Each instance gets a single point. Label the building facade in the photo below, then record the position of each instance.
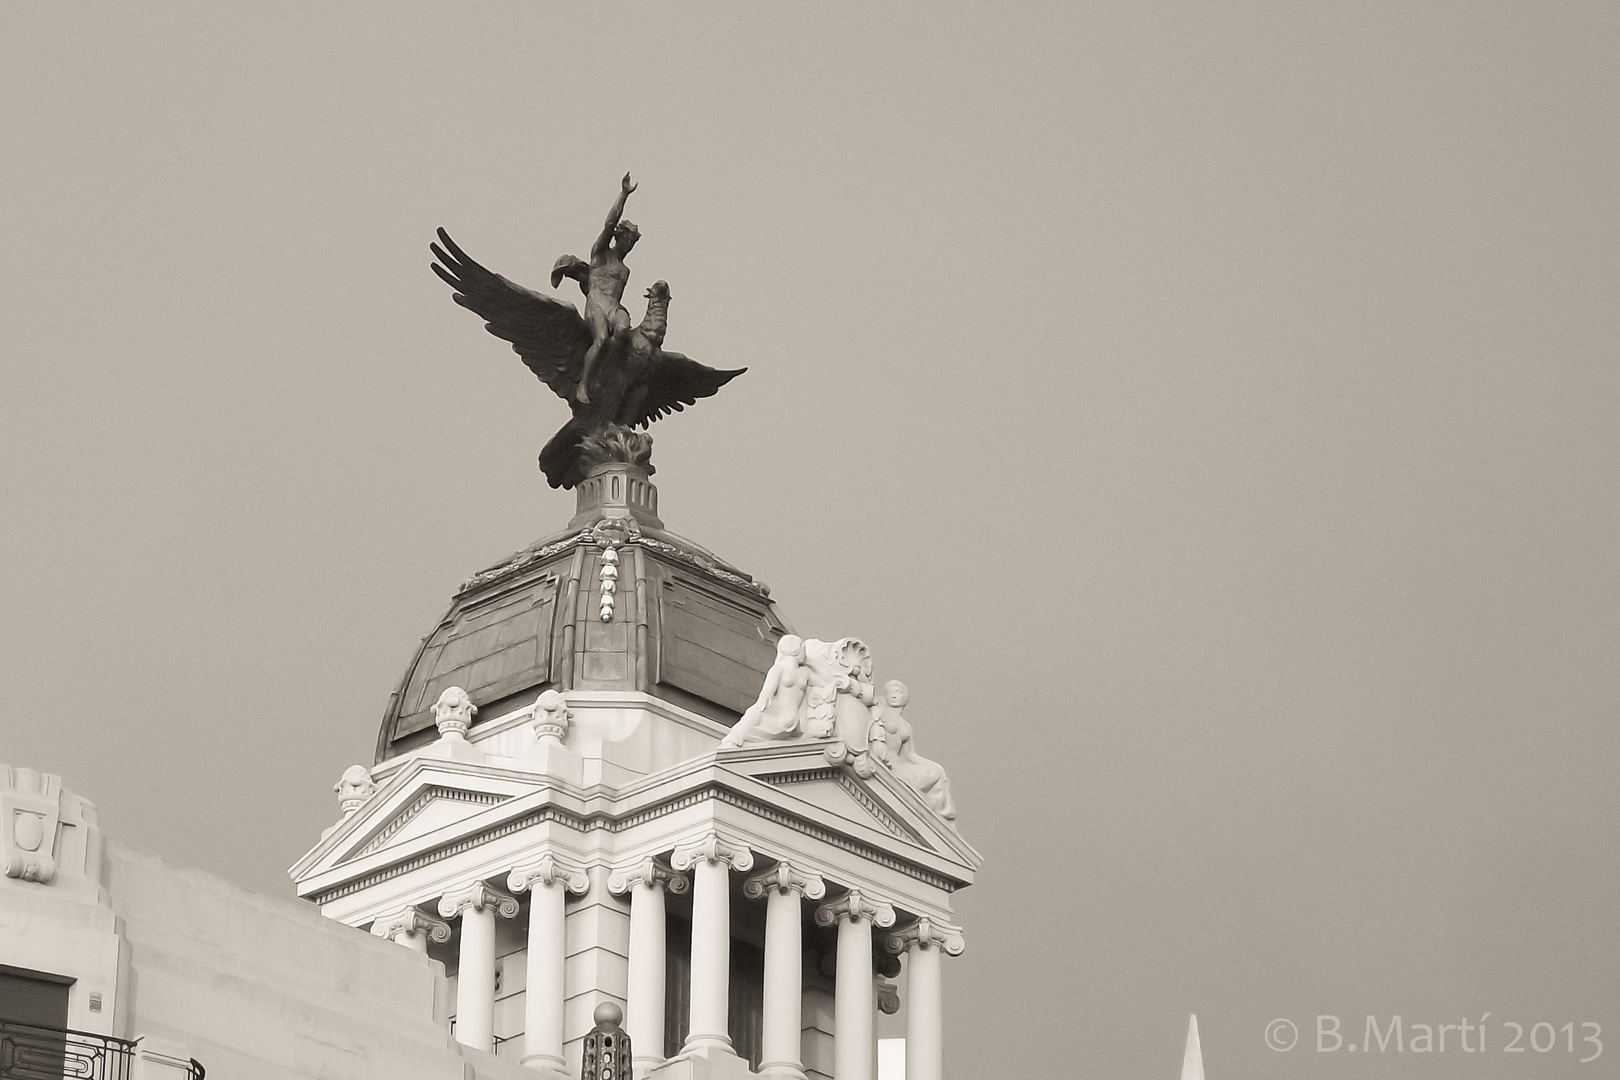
(612, 774)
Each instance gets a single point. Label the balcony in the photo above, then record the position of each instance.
(31, 1052)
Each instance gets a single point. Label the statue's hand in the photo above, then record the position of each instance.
(625, 185)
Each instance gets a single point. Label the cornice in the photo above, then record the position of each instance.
(599, 808)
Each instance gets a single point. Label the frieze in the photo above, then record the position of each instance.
(602, 821)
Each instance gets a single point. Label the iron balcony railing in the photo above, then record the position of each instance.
(32, 1052)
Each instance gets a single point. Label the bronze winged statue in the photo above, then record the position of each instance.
(609, 372)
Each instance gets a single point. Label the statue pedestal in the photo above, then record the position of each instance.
(616, 490)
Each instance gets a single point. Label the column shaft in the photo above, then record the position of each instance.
(644, 1021)
(475, 980)
(711, 955)
(414, 940)
(854, 1001)
(546, 989)
(925, 1018)
(780, 1050)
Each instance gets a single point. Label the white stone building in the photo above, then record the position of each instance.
(564, 812)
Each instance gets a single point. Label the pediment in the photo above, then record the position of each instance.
(426, 797)
(433, 807)
(836, 793)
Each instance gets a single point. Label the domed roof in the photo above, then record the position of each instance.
(612, 602)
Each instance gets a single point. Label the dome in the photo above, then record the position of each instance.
(612, 602)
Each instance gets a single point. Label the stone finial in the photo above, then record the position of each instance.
(551, 716)
(355, 787)
(606, 1054)
(786, 877)
(855, 905)
(453, 713)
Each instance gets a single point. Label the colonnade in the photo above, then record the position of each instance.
(710, 862)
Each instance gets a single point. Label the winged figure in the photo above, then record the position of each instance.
(633, 381)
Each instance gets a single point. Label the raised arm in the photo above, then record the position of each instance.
(625, 188)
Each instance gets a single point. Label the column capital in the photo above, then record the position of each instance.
(925, 933)
(411, 920)
(855, 905)
(549, 870)
(648, 871)
(713, 848)
(476, 896)
(786, 877)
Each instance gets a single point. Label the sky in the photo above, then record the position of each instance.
(1208, 411)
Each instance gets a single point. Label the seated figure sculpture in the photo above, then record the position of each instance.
(926, 778)
(778, 713)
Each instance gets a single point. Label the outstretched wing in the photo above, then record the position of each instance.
(674, 382)
(546, 332)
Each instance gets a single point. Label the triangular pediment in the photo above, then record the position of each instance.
(434, 807)
(426, 797)
(837, 792)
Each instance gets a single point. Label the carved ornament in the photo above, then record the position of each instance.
(551, 716)
(411, 920)
(547, 871)
(785, 877)
(713, 848)
(925, 933)
(354, 788)
(646, 872)
(453, 712)
(476, 897)
(855, 905)
(30, 808)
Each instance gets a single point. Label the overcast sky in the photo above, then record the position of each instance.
(1209, 411)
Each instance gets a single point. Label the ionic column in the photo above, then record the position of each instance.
(854, 1000)
(711, 861)
(645, 882)
(411, 928)
(781, 1054)
(477, 905)
(923, 943)
(547, 881)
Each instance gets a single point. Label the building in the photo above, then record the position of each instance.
(611, 775)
